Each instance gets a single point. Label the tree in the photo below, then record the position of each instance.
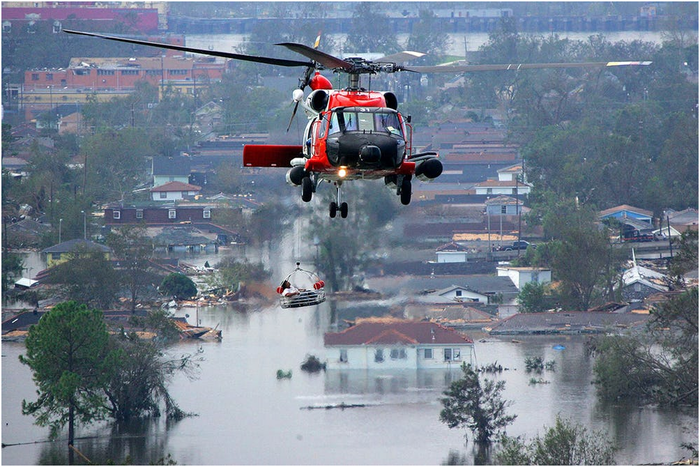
(428, 37)
(660, 366)
(478, 406)
(686, 258)
(138, 375)
(87, 277)
(582, 261)
(230, 273)
(116, 162)
(535, 297)
(581, 257)
(563, 444)
(369, 32)
(178, 285)
(133, 249)
(65, 352)
(342, 245)
(12, 267)
(267, 222)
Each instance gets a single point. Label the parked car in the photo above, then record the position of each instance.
(517, 245)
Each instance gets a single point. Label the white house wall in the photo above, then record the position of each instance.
(451, 257)
(170, 196)
(521, 277)
(466, 296)
(363, 357)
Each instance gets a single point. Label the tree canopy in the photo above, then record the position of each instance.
(66, 351)
(565, 443)
(178, 285)
(659, 366)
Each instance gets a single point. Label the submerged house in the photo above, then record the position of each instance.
(390, 343)
(639, 282)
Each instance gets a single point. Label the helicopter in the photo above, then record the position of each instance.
(352, 133)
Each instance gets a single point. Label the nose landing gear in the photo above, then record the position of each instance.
(337, 205)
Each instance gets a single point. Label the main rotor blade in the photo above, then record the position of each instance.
(518, 66)
(327, 60)
(214, 53)
(401, 57)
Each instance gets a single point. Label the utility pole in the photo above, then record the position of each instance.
(84, 224)
(670, 241)
(488, 220)
(517, 205)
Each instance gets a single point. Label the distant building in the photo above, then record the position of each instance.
(686, 219)
(504, 206)
(639, 282)
(173, 191)
(105, 78)
(388, 343)
(625, 212)
(502, 187)
(150, 214)
(25, 15)
(170, 169)
(523, 275)
(452, 253)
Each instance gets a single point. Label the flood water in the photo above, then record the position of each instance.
(245, 415)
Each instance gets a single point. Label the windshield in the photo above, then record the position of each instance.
(383, 121)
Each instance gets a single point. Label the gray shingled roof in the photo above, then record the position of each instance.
(70, 245)
(171, 166)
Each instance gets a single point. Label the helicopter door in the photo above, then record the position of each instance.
(308, 139)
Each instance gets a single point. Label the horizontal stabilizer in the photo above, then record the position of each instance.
(269, 155)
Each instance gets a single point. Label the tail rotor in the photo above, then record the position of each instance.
(303, 82)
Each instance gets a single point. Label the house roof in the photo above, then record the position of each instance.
(25, 282)
(13, 162)
(453, 287)
(501, 183)
(171, 166)
(394, 331)
(21, 321)
(132, 63)
(517, 168)
(685, 217)
(642, 275)
(176, 186)
(566, 322)
(480, 283)
(452, 246)
(625, 208)
(71, 245)
(502, 199)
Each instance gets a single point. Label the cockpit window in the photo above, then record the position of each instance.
(383, 121)
(350, 121)
(387, 122)
(334, 126)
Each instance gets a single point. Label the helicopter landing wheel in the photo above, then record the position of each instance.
(333, 209)
(406, 192)
(307, 188)
(344, 210)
